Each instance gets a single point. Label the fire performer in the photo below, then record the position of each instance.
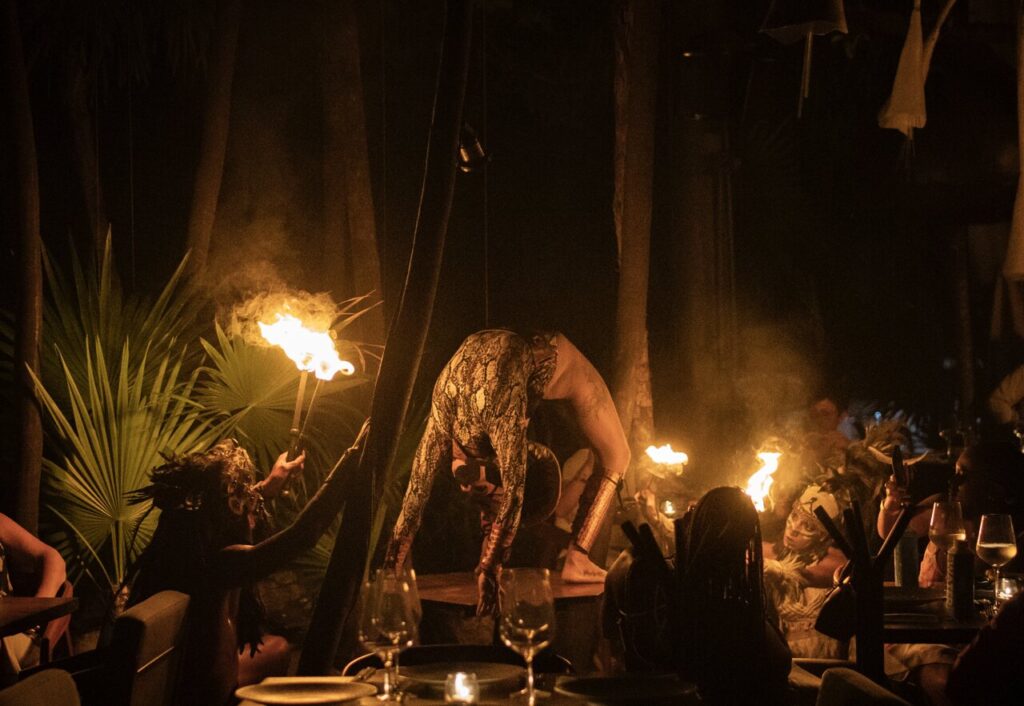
(480, 409)
(205, 545)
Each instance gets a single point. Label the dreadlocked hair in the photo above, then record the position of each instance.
(721, 599)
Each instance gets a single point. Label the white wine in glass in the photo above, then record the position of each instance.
(527, 621)
(388, 621)
(947, 524)
(997, 545)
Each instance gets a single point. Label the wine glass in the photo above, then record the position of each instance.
(527, 621)
(947, 524)
(997, 545)
(388, 618)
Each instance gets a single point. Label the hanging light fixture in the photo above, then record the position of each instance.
(789, 21)
(472, 155)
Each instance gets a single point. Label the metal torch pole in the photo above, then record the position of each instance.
(295, 431)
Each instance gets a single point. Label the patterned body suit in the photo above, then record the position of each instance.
(481, 403)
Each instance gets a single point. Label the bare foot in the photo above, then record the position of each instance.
(579, 568)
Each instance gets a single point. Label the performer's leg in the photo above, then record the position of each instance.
(595, 503)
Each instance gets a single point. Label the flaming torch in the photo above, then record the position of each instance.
(664, 456)
(759, 483)
(312, 352)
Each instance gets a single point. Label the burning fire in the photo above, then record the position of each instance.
(759, 483)
(311, 351)
(665, 455)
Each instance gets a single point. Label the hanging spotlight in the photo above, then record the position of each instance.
(472, 155)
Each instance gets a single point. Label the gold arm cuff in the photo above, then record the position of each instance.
(595, 517)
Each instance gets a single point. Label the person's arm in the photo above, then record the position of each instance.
(1004, 398)
(242, 563)
(433, 455)
(27, 552)
(822, 573)
(271, 486)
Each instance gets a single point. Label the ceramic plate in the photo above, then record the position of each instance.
(305, 691)
(638, 689)
(487, 673)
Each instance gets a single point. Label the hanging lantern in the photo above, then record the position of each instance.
(789, 21)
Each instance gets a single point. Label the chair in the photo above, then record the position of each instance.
(546, 661)
(56, 635)
(841, 686)
(140, 666)
(51, 687)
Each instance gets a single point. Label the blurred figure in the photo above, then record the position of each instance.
(990, 670)
(727, 644)
(825, 441)
(24, 560)
(1004, 401)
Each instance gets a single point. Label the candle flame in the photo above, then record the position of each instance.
(665, 454)
(311, 351)
(759, 483)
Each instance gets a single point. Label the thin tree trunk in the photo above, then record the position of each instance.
(402, 352)
(214, 141)
(30, 285)
(86, 157)
(350, 234)
(636, 90)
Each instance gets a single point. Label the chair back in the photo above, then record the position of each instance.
(546, 661)
(147, 642)
(56, 636)
(51, 687)
(841, 686)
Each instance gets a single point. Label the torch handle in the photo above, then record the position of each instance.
(295, 431)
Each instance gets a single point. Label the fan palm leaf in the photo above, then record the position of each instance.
(116, 426)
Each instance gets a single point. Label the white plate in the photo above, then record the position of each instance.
(305, 690)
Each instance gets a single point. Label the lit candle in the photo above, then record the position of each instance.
(461, 688)
(1009, 586)
(668, 508)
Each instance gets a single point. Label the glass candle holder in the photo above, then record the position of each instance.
(1008, 587)
(461, 688)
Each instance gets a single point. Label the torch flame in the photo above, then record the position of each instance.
(665, 454)
(759, 483)
(312, 351)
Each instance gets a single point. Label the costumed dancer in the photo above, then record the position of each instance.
(481, 405)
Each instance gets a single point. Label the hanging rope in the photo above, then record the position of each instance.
(483, 133)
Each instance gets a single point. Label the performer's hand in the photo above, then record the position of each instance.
(895, 496)
(277, 479)
(487, 593)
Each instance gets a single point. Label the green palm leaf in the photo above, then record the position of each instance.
(115, 427)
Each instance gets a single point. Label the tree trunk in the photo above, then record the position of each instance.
(636, 75)
(86, 157)
(402, 352)
(25, 226)
(349, 237)
(214, 141)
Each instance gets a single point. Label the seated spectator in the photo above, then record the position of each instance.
(727, 645)
(990, 670)
(24, 559)
(203, 545)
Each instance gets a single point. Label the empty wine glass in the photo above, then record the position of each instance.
(527, 621)
(997, 545)
(388, 619)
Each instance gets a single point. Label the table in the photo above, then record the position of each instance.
(19, 613)
(459, 590)
(919, 615)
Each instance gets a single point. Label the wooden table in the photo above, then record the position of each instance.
(459, 590)
(919, 615)
(19, 613)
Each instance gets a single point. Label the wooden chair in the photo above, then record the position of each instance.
(546, 662)
(56, 636)
(841, 686)
(140, 666)
(51, 687)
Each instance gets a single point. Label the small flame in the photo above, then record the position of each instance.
(665, 454)
(759, 483)
(311, 351)
(668, 508)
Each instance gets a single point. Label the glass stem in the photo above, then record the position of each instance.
(385, 689)
(531, 695)
(995, 589)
